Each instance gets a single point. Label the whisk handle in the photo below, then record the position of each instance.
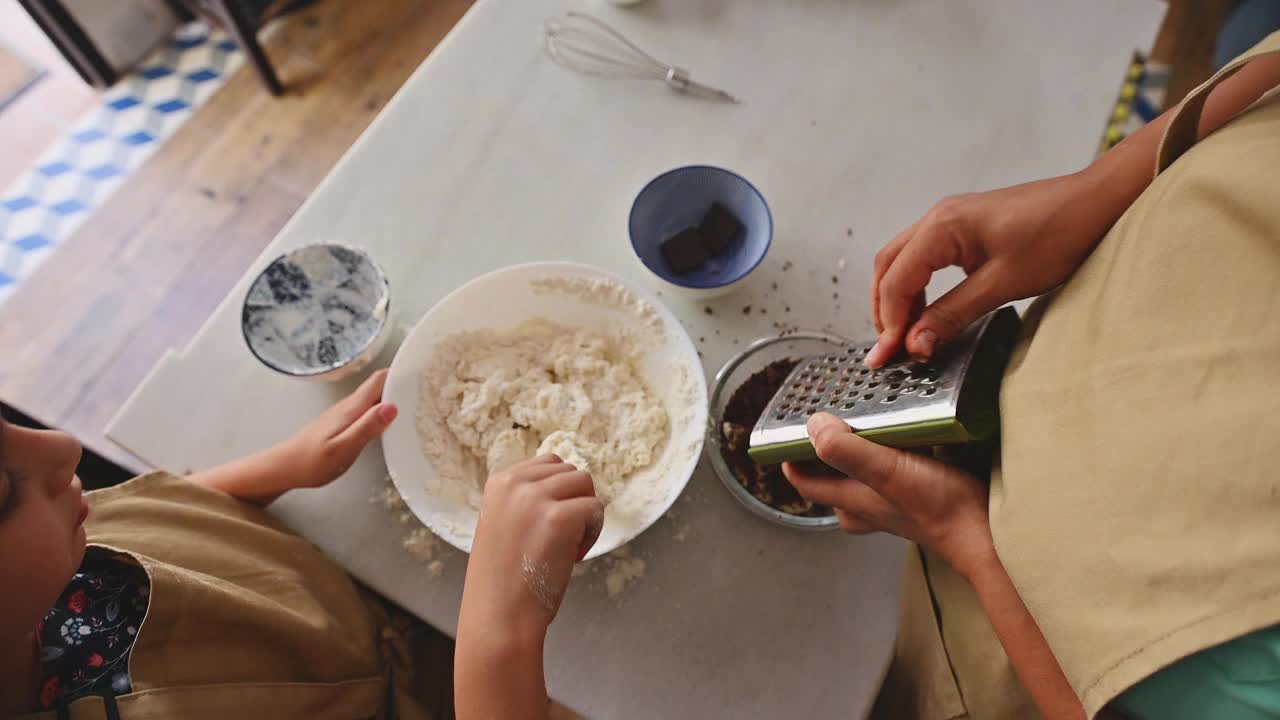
(678, 79)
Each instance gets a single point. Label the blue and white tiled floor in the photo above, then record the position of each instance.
(81, 170)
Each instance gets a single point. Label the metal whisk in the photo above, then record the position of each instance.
(590, 46)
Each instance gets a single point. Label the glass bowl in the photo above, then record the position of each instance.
(753, 359)
(319, 312)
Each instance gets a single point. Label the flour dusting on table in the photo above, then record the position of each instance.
(422, 544)
(620, 569)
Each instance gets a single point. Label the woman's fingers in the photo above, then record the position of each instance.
(855, 525)
(843, 493)
(950, 314)
(888, 345)
(856, 457)
(883, 260)
(936, 244)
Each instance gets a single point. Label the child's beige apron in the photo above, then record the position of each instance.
(1137, 509)
(246, 619)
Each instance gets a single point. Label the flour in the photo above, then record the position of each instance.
(537, 577)
(419, 542)
(620, 568)
(491, 398)
(605, 293)
(422, 544)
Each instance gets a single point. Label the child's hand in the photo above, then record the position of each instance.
(328, 445)
(315, 456)
(537, 519)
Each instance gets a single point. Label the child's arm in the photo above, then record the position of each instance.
(537, 519)
(315, 456)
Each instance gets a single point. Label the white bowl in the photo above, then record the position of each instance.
(507, 298)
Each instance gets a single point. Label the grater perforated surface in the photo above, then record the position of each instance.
(901, 394)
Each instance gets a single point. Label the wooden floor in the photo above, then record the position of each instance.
(145, 272)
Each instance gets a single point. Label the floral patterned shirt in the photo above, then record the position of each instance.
(85, 640)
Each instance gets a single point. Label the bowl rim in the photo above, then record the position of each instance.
(674, 280)
(316, 372)
(713, 441)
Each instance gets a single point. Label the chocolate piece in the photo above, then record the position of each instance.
(720, 228)
(685, 251)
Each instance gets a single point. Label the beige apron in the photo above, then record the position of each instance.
(246, 619)
(1137, 506)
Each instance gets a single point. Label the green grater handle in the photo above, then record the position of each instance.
(937, 432)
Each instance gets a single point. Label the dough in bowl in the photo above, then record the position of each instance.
(491, 398)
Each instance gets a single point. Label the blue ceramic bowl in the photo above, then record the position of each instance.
(678, 199)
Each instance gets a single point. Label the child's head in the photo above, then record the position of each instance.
(42, 512)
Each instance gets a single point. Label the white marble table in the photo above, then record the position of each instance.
(856, 116)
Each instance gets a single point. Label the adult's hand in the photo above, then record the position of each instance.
(1024, 240)
(1012, 243)
(883, 489)
(944, 509)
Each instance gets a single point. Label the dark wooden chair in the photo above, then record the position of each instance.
(242, 19)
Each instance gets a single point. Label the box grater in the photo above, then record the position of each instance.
(952, 399)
